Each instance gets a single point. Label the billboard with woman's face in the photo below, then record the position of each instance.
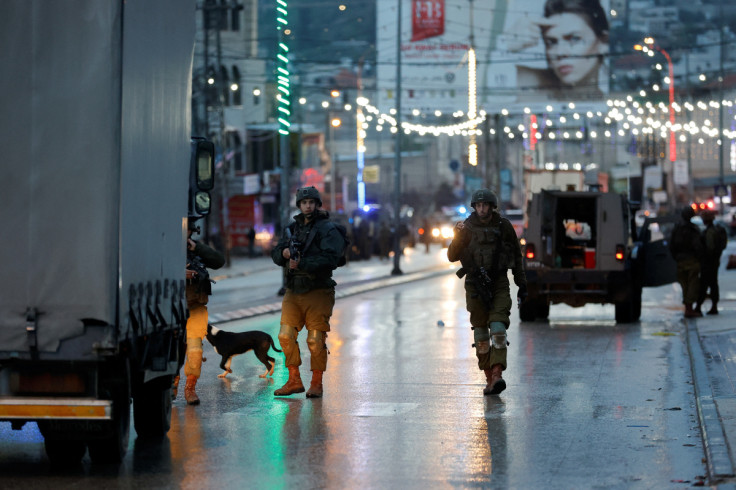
(553, 50)
(527, 51)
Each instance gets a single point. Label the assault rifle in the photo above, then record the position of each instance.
(484, 285)
(194, 263)
(295, 246)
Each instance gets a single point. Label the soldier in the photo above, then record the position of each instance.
(715, 240)
(310, 253)
(486, 245)
(198, 291)
(686, 248)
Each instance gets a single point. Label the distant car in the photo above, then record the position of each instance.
(729, 220)
(641, 215)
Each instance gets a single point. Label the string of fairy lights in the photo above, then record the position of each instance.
(629, 117)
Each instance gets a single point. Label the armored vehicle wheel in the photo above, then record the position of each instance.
(625, 311)
(528, 310)
(542, 308)
(152, 408)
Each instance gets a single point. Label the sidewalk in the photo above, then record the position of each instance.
(712, 346)
(354, 278)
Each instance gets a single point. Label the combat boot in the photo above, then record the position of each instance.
(315, 388)
(713, 309)
(496, 384)
(690, 311)
(175, 387)
(293, 385)
(189, 394)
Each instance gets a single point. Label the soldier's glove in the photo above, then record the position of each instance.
(522, 294)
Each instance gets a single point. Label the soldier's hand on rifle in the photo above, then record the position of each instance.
(286, 253)
(191, 244)
(293, 263)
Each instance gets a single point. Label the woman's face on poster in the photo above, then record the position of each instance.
(572, 47)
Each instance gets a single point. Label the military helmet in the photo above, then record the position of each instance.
(310, 192)
(484, 195)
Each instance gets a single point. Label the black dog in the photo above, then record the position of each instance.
(230, 344)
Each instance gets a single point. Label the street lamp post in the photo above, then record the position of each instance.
(334, 123)
(646, 48)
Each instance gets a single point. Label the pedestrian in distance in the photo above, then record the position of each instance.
(198, 289)
(686, 247)
(309, 250)
(487, 247)
(251, 242)
(715, 239)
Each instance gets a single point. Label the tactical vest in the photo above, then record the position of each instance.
(486, 240)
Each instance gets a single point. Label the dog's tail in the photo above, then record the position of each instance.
(273, 346)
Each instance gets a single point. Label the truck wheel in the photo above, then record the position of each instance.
(111, 447)
(152, 408)
(528, 310)
(64, 452)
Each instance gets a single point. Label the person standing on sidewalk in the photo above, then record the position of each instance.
(309, 249)
(715, 240)
(686, 248)
(487, 247)
(198, 290)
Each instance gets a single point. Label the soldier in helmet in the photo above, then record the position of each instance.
(686, 248)
(198, 291)
(487, 247)
(309, 249)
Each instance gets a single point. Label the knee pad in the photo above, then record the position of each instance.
(498, 335)
(193, 365)
(316, 341)
(482, 347)
(287, 335)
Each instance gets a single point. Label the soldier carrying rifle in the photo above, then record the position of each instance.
(486, 245)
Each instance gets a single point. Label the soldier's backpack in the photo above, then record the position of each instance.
(345, 245)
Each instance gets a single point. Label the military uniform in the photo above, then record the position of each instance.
(310, 293)
(198, 291)
(686, 248)
(493, 247)
(709, 264)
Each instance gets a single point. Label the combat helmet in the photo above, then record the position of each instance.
(484, 195)
(310, 192)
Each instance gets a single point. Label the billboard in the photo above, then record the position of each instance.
(528, 53)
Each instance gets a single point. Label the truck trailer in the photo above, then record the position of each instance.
(97, 170)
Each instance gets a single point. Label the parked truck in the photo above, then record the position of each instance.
(582, 247)
(99, 175)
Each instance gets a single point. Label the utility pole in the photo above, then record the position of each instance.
(397, 158)
(721, 138)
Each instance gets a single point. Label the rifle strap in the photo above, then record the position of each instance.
(310, 237)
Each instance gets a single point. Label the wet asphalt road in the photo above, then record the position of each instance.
(589, 404)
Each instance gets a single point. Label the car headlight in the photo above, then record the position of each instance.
(435, 232)
(447, 232)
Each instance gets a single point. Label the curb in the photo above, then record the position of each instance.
(718, 460)
(218, 318)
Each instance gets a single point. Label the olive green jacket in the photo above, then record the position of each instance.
(478, 243)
